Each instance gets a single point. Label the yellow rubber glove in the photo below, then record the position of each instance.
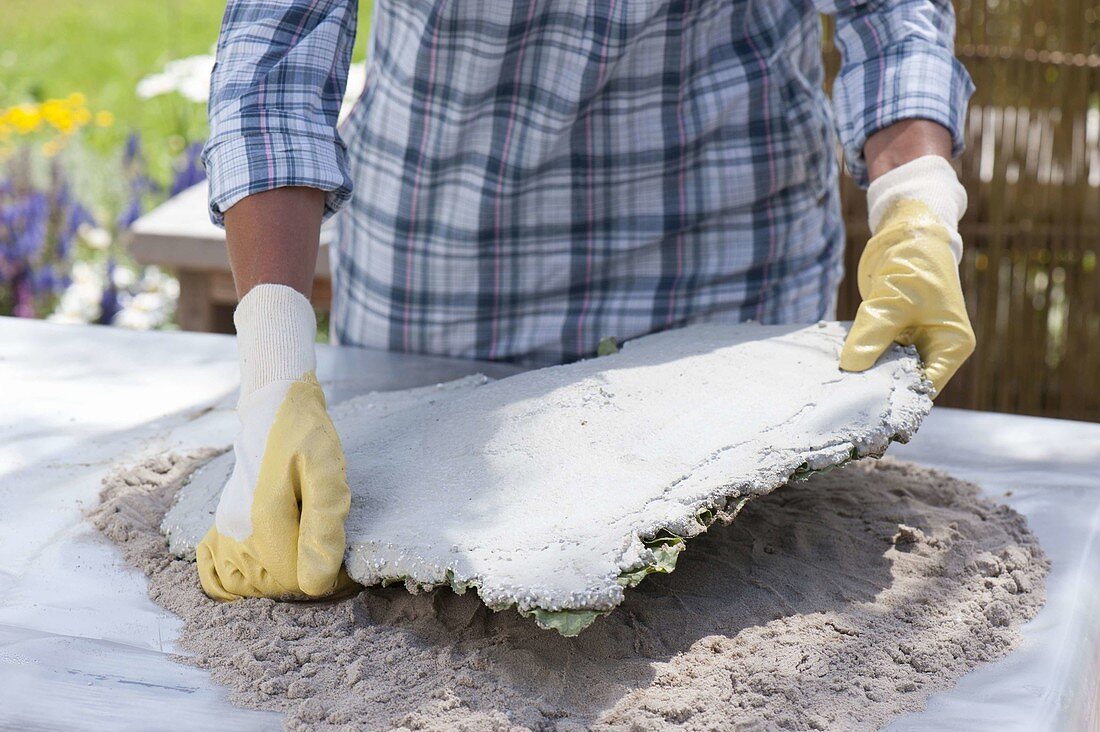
(279, 528)
(908, 273)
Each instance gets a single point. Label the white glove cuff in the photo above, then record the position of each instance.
(929, 179)
(276, 328)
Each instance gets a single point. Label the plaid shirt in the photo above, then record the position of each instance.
(534, 175)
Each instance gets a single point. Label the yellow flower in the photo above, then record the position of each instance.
(25, 118)
(103, 118)
(66, 115)
(58, 114)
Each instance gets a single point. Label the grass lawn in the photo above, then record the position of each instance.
(102, 48)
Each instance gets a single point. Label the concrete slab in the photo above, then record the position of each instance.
(554, 490)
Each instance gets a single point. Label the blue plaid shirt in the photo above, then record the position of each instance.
(533, 175)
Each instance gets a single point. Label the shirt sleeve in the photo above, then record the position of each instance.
(897, 62)
(275, 96)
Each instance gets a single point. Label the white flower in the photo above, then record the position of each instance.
(123, 277)
(65, 319)
(149, 302)
(80, 303)
(85, 273)
(189, 77)
(94, 236)
(170, 286)
(136, 319)
(153, 279)
(143, 311)
(154, 85)
(357, 79)
(193, 76)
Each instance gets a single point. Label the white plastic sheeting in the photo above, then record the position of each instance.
(82, 647)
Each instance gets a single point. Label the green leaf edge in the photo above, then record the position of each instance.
(665, 548)
(607, 346)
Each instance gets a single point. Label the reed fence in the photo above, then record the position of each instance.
(1032, 230)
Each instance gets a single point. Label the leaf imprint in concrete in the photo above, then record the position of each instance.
(557, 489)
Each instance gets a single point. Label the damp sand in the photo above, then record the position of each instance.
(839, 602)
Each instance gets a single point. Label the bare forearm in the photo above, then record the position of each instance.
(273, 238)
(905, 141)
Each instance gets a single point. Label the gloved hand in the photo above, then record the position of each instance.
(279, 528)
(908, 273)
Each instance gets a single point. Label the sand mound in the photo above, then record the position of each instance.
(835, 603)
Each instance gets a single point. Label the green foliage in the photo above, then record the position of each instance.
(607, 346)
(567, 622)
(665, 548)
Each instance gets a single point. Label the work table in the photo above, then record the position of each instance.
(82, 647)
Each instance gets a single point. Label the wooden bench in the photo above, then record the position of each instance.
(178, 235)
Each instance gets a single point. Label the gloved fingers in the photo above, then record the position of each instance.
(295, 548)
(326, 500)
(879, 322)
(944, 348)
(223, 571)
(209, 576)
(230, 570)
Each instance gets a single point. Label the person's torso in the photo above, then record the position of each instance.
(534, 175)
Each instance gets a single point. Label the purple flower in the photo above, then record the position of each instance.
(37, 229)
(24, 218)
(190, 171)
(132, 152)
(77, 217)
(129, 215)
(24, 299)
(108, 304)
(44, 280)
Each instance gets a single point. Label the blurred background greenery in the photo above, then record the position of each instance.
(102, 49)
(102, 117)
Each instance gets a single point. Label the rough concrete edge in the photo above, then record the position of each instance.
(174, 541)
(664, 543)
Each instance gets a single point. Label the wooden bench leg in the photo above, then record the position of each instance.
(207, 300)
(195, 310)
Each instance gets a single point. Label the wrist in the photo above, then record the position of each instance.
(276, 329)
(929, 179)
